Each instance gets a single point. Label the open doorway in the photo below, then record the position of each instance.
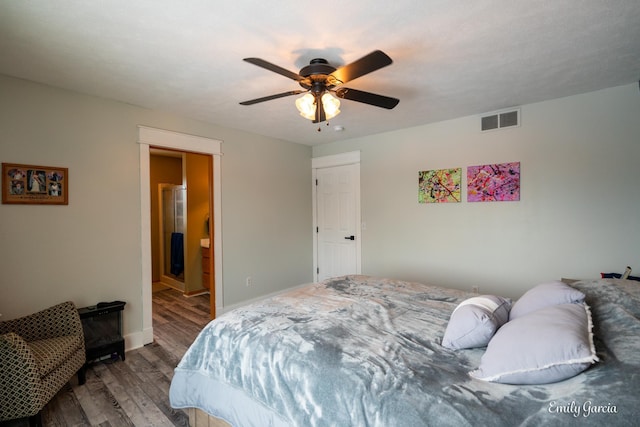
(152, 137)
(180, 192)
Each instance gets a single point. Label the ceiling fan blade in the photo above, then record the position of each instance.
(365, 65)
(270, 97)
(367, 98)
(275, 68)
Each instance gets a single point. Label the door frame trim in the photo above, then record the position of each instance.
(149, 136)
(342, 159)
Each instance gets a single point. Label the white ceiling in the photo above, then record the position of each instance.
(452, 58)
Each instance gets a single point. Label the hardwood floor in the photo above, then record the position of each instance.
(134, 392)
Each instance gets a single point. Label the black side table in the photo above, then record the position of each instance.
(102, 324)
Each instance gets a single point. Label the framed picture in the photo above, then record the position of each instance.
(29, 184)
(439, 186)
(498, 182)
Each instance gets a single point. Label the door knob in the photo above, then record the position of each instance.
(350, 238)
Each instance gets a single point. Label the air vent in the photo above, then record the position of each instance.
(490, 122)
(500, 120)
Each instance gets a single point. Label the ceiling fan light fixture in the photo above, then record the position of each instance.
(331, 105)
(306, 105)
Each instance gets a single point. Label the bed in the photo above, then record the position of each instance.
(366, 351)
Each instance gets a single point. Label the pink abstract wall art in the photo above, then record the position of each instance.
(493, 183)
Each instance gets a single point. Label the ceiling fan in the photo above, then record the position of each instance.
(319, 79)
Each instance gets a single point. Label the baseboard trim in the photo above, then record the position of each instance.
(138, 339)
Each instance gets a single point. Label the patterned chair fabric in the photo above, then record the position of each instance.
(39, 353)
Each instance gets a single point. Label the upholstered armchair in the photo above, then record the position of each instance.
(39, 354)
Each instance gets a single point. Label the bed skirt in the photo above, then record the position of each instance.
(199, 418)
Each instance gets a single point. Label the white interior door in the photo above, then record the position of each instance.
(337, 221)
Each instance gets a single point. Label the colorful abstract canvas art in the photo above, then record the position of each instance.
(439, 186)
(493, 183)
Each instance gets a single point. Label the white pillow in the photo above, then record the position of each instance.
(545, 346)
(544, 295)
(475, 320)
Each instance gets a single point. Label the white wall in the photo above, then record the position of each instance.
(579, 208)
(89, 251)
(266, 217)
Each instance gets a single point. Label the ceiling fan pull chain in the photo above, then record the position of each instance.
(326, 123)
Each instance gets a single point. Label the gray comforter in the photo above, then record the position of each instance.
(363, 351)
